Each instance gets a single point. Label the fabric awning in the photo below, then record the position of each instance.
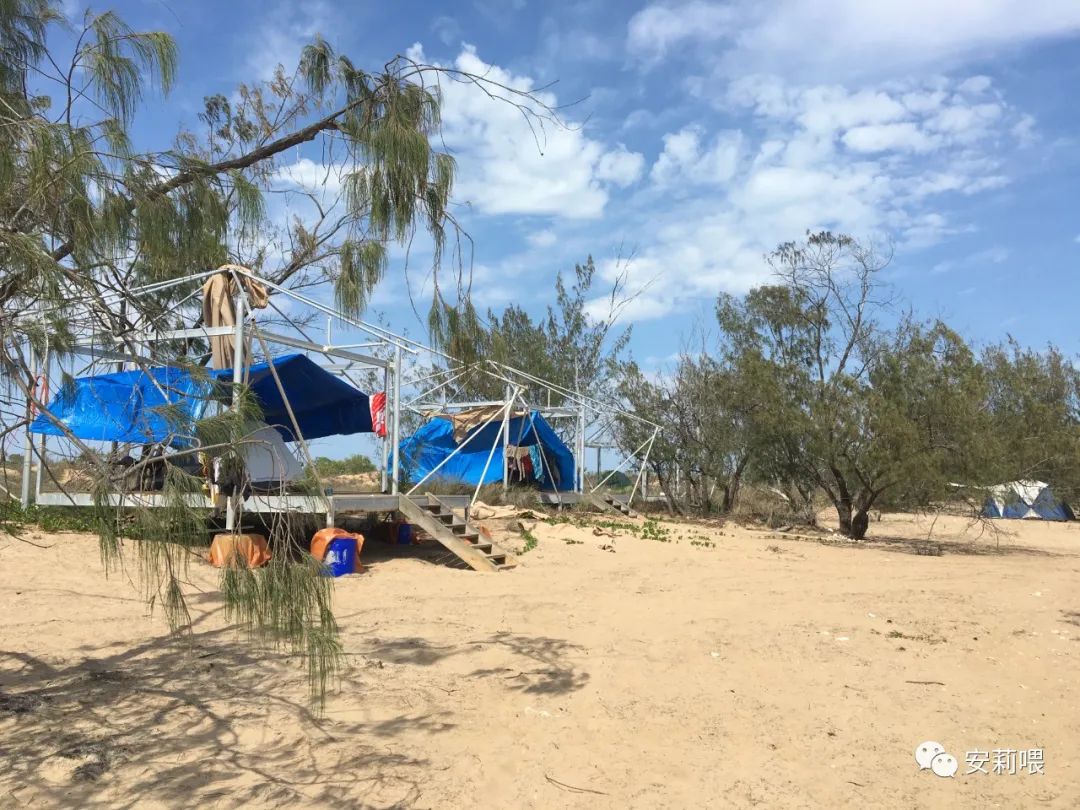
(150, 407)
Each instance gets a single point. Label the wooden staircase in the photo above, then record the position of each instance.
(608, 503)
(457, 535)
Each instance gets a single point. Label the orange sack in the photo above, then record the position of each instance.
(239, 550)
(322, 538)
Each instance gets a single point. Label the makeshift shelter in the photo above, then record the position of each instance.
(147, 407)
(434, 449)
(1025, 500)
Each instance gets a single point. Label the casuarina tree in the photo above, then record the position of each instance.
(87, 214)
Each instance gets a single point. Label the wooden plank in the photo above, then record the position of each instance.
(613, 506)
(433, 526)
(495, 550)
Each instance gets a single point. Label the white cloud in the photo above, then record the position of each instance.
(620, 166)
(542, 239)
(282, 32)
(447, 29)
(993, 255)
(561, 45)
(653, 30)
(841, 38)
(308, 175)
(510, 165)
(904, 137)
(878, 163)
(684, 161)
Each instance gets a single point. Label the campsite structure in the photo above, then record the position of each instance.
(301, 401)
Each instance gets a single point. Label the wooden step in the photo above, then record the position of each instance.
(606, 502)
(457, 535)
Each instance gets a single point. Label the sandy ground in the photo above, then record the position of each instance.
(695, 666)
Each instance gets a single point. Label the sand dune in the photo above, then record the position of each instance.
(676, 666)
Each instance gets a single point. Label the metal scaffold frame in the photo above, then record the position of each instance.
(136, 348)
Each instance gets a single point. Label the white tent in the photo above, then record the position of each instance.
(1025, 500)
(267, 459)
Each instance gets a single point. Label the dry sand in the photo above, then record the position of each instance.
(720, 667)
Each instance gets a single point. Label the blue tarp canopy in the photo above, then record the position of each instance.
(324, 404)
(130, 406)
(434, 442)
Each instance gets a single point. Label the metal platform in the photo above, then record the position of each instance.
(260, 504)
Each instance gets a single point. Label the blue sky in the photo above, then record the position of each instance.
(704, 133)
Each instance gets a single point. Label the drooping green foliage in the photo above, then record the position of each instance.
(819, 384)
(1033, 404)
(568, 346)
(87, 216)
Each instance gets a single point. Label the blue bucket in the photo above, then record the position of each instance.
(404, 534)
(340, 558)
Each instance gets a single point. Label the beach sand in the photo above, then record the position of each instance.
(684, 665)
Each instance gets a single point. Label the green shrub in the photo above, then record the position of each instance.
(353, 465)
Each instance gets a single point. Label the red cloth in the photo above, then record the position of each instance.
(378, 413)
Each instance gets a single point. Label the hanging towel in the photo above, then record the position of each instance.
(219, 291)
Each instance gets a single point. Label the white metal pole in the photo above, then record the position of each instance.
(642, 472)
(42, 451)
(494, 445)
(231, 503)
(506, 443)
(28, 444)
(385, 443)
(395, 437)
(580, 464)
(623, 463)
(43, 374)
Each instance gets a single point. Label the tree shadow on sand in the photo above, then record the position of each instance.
(555, 675)
(937, 548)
(213, 720)
(183, 724)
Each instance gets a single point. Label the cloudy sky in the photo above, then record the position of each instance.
(704, 133)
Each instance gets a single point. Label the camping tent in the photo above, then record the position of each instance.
(434, 442)
(267, 459)
(1025, 500)
(151, 406)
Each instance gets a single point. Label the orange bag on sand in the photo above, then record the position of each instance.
(322, 539)
(251, 548)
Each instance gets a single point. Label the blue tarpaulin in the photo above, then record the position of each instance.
(128, 406)
(434, 441)
(324, 404)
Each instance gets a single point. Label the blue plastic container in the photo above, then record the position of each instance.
(340, 558)
(404, 534)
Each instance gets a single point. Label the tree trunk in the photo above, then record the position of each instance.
(665, 487)
(843, 501)
(859, 523)
(731, 489)
(843, 512)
